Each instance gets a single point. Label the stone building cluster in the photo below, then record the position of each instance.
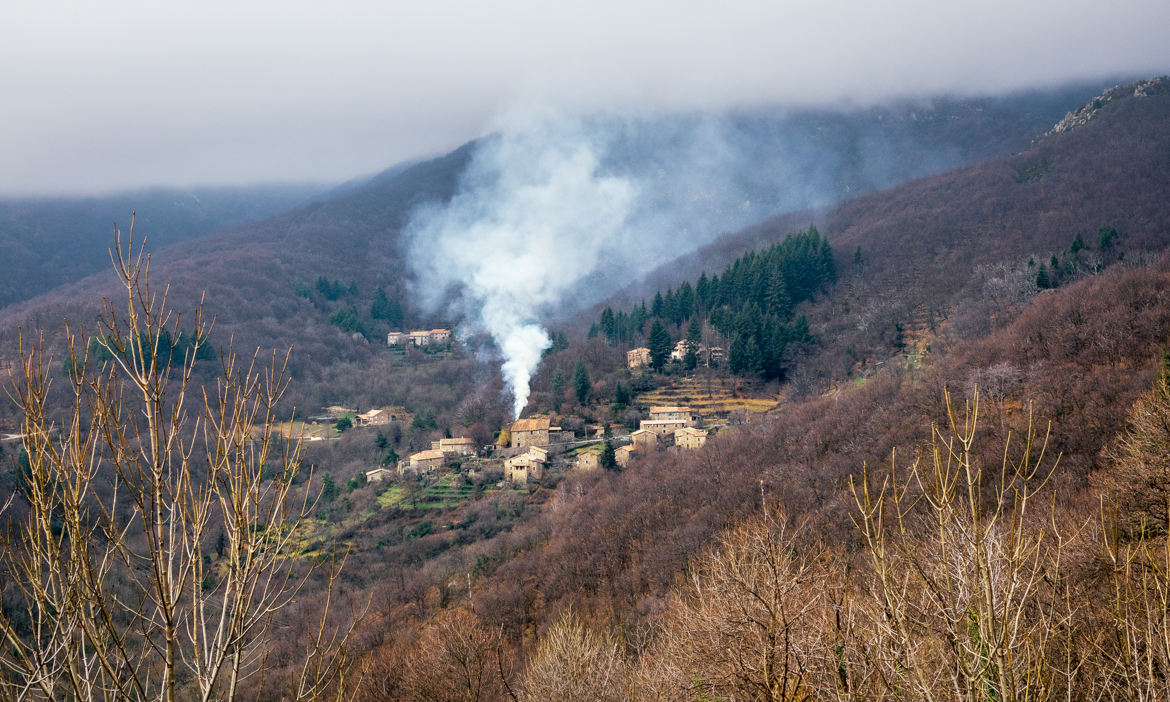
(420, 338)
(640, 357)
(533, 440)
(666, 426)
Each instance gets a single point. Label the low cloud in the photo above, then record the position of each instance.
(126, 93)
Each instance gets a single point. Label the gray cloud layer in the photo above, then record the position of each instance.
(105, 96)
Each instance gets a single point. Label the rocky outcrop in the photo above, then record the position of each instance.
(1140, 89)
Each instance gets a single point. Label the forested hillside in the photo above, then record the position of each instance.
(948, 495)
(256, 277)
(776, 509)
(750, 304)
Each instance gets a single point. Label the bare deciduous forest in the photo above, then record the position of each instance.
(961, 492)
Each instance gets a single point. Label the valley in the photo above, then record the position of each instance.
(898, 438)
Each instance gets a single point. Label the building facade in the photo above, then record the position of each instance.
(690, 438)
(637, 358)
(623, 454)
(427, 461)
(589, 459)
(456, 446)
(530, 464)
(532, 431)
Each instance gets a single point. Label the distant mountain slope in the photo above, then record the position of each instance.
(257, 276)
(45, 242)
(930, 243)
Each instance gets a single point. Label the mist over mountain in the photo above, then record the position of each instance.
(1033, 269)
(46, 242)
(953, 260)
(694, 176)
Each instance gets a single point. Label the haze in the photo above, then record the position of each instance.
(118, 95)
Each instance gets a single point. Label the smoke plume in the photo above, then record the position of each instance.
(554, 213)
(535, 215)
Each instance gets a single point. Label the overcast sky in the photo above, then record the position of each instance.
(119, 94)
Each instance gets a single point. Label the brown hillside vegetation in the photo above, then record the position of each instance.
(254, 275)
(612, 554)
(966, 245)
(957, 497)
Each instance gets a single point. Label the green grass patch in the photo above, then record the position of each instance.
(390, 497)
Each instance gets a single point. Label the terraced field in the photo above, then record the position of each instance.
(446, 492)
(714, 401)
(301, 430)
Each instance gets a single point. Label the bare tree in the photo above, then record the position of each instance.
(147, 555)
(966, 595)
(1135, 547)
(456, 659)
(574, 663)
(750, 622)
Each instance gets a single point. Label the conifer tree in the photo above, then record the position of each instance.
(621, 396)
(609, 457)
(558, 388)
(659, 345)
(1042, 279)
(581, 383)
(694, 340)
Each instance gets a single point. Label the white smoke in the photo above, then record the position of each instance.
(534, 216)
(555, 212)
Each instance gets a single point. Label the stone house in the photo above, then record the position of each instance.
(637, 358)
(664, 428)
(530, 464)
(456, 446)
(673, 412)
(533, 431)
(644, 439)
(690, 438)
(427, 461)
(590, 458)
(373, 418)
(624, 453)
(377, 475)
(419, 337)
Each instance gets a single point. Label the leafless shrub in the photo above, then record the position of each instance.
(149, 552)
(574, 663)
(965, 591)
(456, 659)
(751, 622)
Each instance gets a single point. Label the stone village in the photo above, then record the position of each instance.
(531, 446)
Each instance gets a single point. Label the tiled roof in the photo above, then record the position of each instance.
(531, 424)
